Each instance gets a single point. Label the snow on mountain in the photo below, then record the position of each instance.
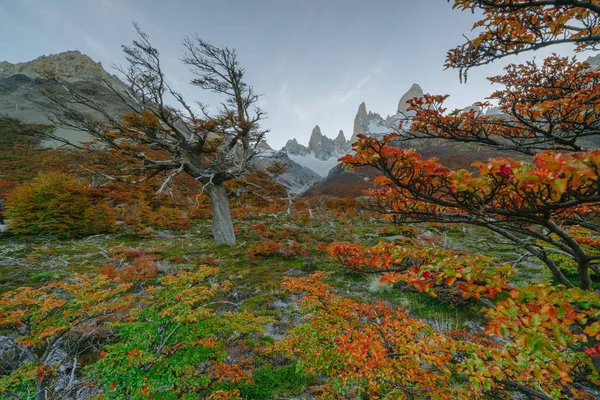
(320, 167)
(322, 153)
(372, 124)
(296, 178)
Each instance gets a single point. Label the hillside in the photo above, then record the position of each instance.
(21, 87)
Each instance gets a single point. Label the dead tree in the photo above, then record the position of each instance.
(164, 134)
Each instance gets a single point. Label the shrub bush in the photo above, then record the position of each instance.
(57, 204)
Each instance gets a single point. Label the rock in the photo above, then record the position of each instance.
(594, 61)
(263, 145)
(478, 110)
(70, 65)
(475, 326)
(372, 124)
(275, 331)
(21, 86)
(294, 272)
(325, 148)
(56, 356)
(361, 114)
(279, 304)
(6, 344)
(322, 153)
(316, 139)
(296, 178)
(414, 91)
(293, 147)
(340, 141)
(493, 111)
(11, 355)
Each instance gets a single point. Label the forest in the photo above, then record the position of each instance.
(157, 261)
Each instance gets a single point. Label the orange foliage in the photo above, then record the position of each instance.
(130, 265)
(531, 344)
(514, 26)
(453, 274)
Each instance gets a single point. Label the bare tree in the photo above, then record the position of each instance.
(164, 134)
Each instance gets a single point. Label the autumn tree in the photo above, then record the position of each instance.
(549, 111)
(510, 27)
(163, 134)
(545, 201)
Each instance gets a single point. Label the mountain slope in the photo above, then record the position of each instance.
(21, 87)
(322, 153)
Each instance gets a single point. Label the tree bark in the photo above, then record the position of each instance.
(41, 389)
(222, 225)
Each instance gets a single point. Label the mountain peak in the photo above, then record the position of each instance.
(293, 147)
(316, 132)
(71, 65)
(362, 110)
(414, 91)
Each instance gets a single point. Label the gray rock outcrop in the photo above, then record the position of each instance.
(325, 148)
(361, 114)
(21, 86)
(372, 124)
(296, 178)
(293, 147)
(414, 91)
(319, 145)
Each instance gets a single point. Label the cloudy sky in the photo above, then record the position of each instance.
(314, 60)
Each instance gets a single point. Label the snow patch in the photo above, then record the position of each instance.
(374, 127)
(320, 167)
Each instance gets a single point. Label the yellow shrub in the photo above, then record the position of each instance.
(57, 204)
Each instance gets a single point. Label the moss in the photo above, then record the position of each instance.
(45, 275)
(269, 383)
(424, 306)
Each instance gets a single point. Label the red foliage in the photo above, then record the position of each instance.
(130, 265)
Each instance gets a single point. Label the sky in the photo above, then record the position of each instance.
(314, 61)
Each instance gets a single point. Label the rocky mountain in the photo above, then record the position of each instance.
(321, 154)
(297, 178)
(414, 91)
(73, 66)
(370, 123)
(21, 86)
(594, 61)
(343, 183)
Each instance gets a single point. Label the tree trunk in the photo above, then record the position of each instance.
(585, 282)
(221, 221)
(41, 389)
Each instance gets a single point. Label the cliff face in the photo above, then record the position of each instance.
(321, 154)
(296, 178)
(414, 91)
(319, 145)
(372, 124)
